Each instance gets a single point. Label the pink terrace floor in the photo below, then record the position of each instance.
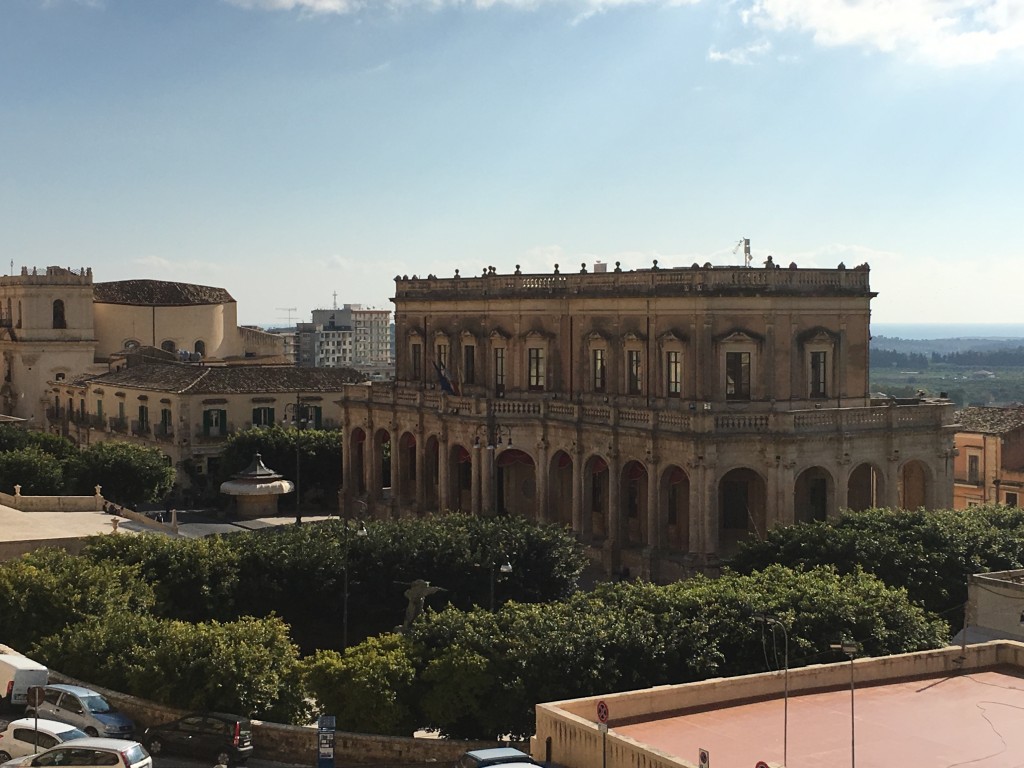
(973, 720)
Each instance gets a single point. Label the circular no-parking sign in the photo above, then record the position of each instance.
(761, 764)
(602, 711)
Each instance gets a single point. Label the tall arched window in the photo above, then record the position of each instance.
(200, 348)
(59, 321)
(168, 346)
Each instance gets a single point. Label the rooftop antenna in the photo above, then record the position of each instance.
(745, 243)
(289, 310)
(335, 295)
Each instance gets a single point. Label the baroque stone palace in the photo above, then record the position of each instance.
(662, 414)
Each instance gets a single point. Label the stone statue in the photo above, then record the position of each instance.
(417, 594)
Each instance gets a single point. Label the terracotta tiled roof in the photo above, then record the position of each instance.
(988, 420)
(201, 379)
(161, 293)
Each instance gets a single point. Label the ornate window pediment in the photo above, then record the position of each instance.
(597, 337)
(499, 335)
(739, 336)
(633, 336)
(670, 337)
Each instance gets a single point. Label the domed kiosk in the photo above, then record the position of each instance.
(256, 489)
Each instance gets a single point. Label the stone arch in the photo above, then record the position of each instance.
(814, 495)
(169, 346)
(675, 508)
(515, 483)
(596, 502)
(460, 479)
(915, 485)
(199, 347)
(866, 487)
(742, 502)
(405, 483)
(357, 444)
(633, 503)
(560, 489)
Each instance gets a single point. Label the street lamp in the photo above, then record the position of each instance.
(496, 433)
(851, 648)
(299, 419)
(505, 568)
(773, 622)
(360, 532)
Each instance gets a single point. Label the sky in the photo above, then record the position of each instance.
(302, 153)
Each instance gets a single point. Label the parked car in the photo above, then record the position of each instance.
(17, 675)
(507, 757)
(85, 709)
(109, 753)
(31, 735)
(207, 735)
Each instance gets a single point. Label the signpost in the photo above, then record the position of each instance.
(33, 698)
(602, 719)
(703, 758)
(325, 741)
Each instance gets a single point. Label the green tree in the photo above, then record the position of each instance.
(48, 589)
(479, 674)
(248, 666)
(192, 579)
(368, 688)
(128, 473)
(37, 472)
(929, 553)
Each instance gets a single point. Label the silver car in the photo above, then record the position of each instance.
(84, 708)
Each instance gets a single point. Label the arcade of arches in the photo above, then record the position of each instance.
(660, 518)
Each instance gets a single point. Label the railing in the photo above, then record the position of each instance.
(118, 424)
(670, 416)
(140, 428)
(163, 432)
(650, 282)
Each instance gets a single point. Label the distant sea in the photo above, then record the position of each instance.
(949, 330)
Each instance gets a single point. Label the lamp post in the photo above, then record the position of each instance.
(299, 418)
(360, 532)
(505, 568)
(773, 622)
(850, 648)
(494, 440)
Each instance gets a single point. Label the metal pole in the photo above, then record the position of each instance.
(492, 587)
(344, 606)
(853, 721)
(298, 459)
(785, 705)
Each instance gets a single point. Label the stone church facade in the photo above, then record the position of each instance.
(661, 414)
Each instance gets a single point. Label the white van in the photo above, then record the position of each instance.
(17, 675)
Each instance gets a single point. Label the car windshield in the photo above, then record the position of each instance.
(97, 704)
(71, 733)
(135, 754)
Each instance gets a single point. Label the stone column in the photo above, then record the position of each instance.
(347, 481)
(443, 485)
(577, 493)
(541, 474)
(421, 471)
(487, 481)
(475, 480)
(371, 470)
(655, 532)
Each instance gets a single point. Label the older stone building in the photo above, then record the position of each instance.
(56, 324)
(662, 414)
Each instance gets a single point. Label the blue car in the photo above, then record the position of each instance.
(86, 710)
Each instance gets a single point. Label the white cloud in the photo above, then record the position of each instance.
(943, 32)
(589, 7)
(744, 55)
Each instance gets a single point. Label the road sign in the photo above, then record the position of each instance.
(35, 695)
(704, 759)
(602, 711)
(761, 764)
